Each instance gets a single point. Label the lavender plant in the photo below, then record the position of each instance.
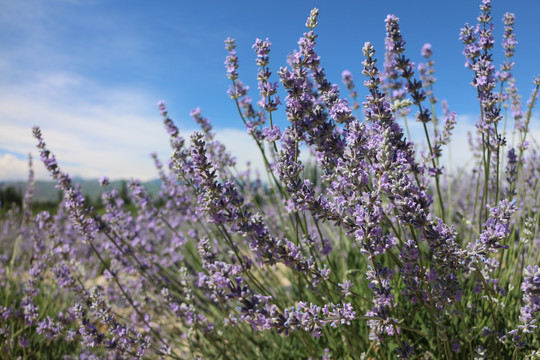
(362, 252)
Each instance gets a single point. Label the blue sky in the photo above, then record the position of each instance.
(91, 72)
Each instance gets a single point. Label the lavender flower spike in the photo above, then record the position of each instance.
(531, 308)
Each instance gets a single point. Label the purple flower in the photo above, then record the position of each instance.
(237, 90)
(426, 50)
(5, 312)
(405, 351)
(345, 288)
(24, 341)
(63, 276)
(347, 79)
(478, 45)
(162, 108)
(49, 328)
(311, 22)
(341, 112)
(456, 347)
(497, 227)
(531, 303)
(262, 49)
(104, 181)
(30, 313)
(231, 61)
(272, 134)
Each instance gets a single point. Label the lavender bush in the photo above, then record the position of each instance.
(368, 250)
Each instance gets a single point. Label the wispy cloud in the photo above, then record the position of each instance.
(60, 71)
(93, 130)
(458, 154)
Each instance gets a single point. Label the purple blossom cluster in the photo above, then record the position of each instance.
(479, 42)
(531, 306)
(364, 250)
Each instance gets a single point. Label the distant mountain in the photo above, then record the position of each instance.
(46, 190)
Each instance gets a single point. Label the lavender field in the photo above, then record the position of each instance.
(356, 241)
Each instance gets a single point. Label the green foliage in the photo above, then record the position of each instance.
(51, 302)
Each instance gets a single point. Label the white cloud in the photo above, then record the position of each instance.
(459, 147)
(92, 135)
(242, 147)
(458, 154)
(92, 130)
(14, 168)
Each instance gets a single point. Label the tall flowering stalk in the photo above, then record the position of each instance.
(426, 72)
(414, 87)
(267, 89)
(347, 79)
(479, 43)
